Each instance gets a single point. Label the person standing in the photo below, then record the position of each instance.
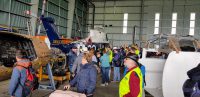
(94, 59)
(19, 75)
(105, 67)
(110, 54)
(116, 63)
(72, 55)
(132, 83)
(77, 63)
(85, 80)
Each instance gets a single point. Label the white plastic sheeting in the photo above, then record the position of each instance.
(60, 93)
(175, 72)
(154, 73)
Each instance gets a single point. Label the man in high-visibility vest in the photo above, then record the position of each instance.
(110, 53)
(131, 84)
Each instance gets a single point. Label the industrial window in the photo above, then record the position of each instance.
(192, 23)
(174, 19)
(157, 20)
(125, 24)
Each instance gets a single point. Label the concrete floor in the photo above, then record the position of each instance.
(108, 91)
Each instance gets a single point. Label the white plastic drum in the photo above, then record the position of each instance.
(175, 72)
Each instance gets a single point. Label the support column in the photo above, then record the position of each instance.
(71, 8)
(34, 10)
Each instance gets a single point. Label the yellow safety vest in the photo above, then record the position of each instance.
(110, 56)
(137, 52)
(124, 83)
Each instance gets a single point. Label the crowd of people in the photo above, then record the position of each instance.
(84, 65)
(89, 62)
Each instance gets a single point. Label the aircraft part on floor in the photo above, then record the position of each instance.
(175, 72)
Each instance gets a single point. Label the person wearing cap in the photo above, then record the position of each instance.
(116, 63)
(131, 52)
(131, 84)
(72, 55)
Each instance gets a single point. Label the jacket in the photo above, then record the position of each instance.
(104, 60)
(85, 80)
(77, 64)
(18, 79)
(110, 53)
(71, 57)
(134, 84)
(116, 60)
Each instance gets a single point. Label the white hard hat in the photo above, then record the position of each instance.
(85, 49)
(115, 48)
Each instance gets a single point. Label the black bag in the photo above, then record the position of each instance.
(191, 88)
(194, 73)
(31, 82)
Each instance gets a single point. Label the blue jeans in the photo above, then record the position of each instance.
(125, 71)
(116, 74)
(105, 74)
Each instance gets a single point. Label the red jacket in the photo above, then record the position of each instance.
(134, 84)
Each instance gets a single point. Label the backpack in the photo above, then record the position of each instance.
(191, 86)
(31, 82)
(117, 62)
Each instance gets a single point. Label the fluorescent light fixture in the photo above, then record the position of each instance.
(125, 23)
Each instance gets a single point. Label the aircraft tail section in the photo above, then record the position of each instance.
(50, 27)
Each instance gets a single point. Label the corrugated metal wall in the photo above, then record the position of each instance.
(142, 14)
(12, 13)
(166, 7)
(81, 9)
(110, 14)
(57, 9)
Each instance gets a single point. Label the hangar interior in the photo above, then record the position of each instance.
(113, 23)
